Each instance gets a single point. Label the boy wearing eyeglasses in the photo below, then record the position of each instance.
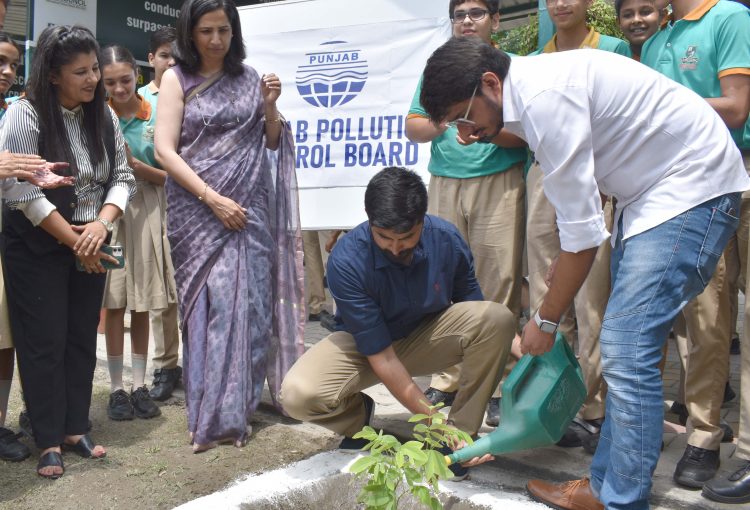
(543, 241)
(480, 189)
(705, 46)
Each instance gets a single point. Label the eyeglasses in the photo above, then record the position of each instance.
(475, 14)
(466, 127)
(210, 123)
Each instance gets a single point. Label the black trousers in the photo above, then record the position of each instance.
(54, 312)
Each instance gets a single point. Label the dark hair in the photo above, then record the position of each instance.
(5, 38)
(56, 47)
(618, 6)
(396, 199)
(115, 54)
(185, 53)
(493, 6)
(162, 36)
(455, 69)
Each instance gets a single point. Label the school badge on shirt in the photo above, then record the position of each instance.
(690, 61)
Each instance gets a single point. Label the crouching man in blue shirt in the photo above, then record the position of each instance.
(408, 304)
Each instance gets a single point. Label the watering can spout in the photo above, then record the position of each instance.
(541, 396)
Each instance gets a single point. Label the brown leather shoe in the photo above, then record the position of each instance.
(573, 495)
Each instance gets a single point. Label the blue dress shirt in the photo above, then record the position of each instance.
(379, 301)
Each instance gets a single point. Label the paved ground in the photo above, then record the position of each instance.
(508, 475)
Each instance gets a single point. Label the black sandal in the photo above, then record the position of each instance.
(84, 447)
(50, 459)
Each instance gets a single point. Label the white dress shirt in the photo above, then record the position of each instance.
(601, 122)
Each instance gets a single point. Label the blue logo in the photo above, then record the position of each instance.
(332, 76)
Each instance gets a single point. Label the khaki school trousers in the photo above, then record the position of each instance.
(323, 385)
(743, 231)
(705, 356)
(489, 213)
(543, 245)
(313, 244)
(166, 337)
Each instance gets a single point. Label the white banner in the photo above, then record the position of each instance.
(346, 91)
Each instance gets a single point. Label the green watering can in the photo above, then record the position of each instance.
(541, 396)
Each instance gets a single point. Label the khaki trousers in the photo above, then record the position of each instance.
(543, 245)
(743, 231)
(709, 331)
(489, 213)
(166, 337)
(323, 385)
(313, 243)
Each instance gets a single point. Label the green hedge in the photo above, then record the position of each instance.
(523, 40)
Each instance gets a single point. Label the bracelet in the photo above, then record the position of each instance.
(202, 197)
(273, 121)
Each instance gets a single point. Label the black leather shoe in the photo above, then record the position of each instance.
(459, 472)
(349, 443)
(327, 321)
(734, 488)
(11, 449)
(582, 433)
(696, 467)
(165, 381)
(435, 396)
(493, 412)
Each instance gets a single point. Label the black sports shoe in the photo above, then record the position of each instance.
(11, 449)
(165, 381)
(734, 488)
(493, 412)
(119, 407)
(696, 467)
(143, 406)
(680, 410)
(435, 396)
(349, 443)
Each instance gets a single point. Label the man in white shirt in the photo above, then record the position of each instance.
(601, 124)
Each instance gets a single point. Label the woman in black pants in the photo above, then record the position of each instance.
(53, 304)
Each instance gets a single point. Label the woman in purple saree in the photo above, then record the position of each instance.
(232, 222)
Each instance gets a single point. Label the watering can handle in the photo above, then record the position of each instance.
(569, 353)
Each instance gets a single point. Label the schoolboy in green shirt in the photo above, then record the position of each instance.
(705, 45)
(480, 189)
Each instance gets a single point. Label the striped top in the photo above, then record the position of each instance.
(94, 187)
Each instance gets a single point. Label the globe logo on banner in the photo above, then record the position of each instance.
(332, 76)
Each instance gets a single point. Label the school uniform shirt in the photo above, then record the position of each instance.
(698, 50)
(600, 122)
(593, 40)
(139, 131)
(150, 93)
(20, 134)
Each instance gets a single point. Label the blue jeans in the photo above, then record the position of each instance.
(654, 274)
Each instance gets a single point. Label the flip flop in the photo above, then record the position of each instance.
(84, 447)
(50, 459)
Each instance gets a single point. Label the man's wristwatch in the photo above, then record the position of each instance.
(545, 325)
(107, 224)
